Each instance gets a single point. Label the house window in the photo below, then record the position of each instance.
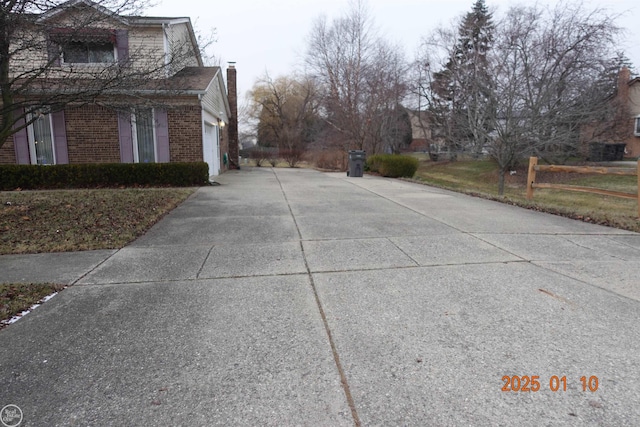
(144, 137)
(637, 127)
(40, 136)
(88, 53)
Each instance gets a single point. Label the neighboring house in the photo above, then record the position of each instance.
(624, 125)
(177, 110)
(631, 94)
(425, 134)
(420, 130)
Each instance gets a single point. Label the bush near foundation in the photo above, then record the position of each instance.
(100, 175)
(393, 165)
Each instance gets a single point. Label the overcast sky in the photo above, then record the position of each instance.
(270, 35)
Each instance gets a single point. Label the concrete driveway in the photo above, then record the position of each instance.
(293, 297)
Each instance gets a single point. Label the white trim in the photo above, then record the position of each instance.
(30, 139)
(636, 126)
(151, 20)
(155, 138)
(215, 163)
(53, 139)
(134, 138)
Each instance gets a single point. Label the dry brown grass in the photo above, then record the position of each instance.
(481, 178)
(75, 220)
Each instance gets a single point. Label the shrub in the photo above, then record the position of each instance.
(330, 159)
(96, 175)
(292, 156)
(393, 165)
(373, 163)
(262, 155)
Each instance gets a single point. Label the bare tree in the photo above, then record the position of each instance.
(548, 66)
(35, 35)
(361, 77)
(285, 110)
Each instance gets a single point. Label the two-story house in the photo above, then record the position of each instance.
(623, 125)
(629, 96)
(138, 88)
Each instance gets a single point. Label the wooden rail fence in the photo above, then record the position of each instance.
(535, 167)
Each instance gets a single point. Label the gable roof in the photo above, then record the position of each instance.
(194, 79)
(63, 7)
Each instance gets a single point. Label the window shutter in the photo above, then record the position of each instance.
(53, 52)
(21, 144)
(122, 46)
(162, 135)
(126, 137)
(60, 138)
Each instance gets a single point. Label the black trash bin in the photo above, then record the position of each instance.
(356, 163)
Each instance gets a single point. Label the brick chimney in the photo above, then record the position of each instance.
(232, 95)
(624, 77)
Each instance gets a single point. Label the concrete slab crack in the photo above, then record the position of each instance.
(334, 349)
(205, 261)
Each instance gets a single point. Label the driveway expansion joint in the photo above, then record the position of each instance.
(334, 349)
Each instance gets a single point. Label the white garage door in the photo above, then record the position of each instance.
(211, 148)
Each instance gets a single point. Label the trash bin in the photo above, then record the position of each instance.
(356, 163)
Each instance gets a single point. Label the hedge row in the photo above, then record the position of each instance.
(97, 175)
(393, 165)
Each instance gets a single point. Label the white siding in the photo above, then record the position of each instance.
(634, 96)
(146, 47)
(213, 100)
(181, 47)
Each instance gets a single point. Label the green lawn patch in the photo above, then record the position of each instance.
(480, 178)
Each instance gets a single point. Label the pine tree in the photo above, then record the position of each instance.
(464, 87)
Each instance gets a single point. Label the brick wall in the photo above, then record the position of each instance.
(185, 133)
(92, 135)
(234, 152)
(7, 153)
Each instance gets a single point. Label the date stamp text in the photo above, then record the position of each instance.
(533, 383)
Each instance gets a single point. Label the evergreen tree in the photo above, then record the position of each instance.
(464, 104)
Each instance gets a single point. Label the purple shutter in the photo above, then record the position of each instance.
(126, 137)
(162, 135)
(60, 138)
(53, 52)
(21, 143)
(122, 46)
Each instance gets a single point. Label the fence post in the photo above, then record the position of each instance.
(533, 162)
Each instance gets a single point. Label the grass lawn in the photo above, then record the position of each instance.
(18, 297)
(74, 220)
(78, 220)
(481, 178)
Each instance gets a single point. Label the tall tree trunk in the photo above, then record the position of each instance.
(501, 176)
